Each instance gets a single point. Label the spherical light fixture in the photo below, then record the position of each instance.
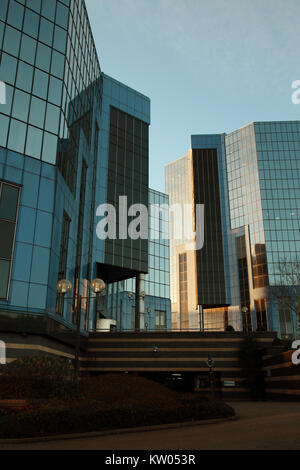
(97, 286)
(63, 286)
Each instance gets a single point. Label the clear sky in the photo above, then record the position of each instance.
(208, 66)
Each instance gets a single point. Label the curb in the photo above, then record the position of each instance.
(86, 435)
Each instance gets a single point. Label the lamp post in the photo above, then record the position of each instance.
(210, 363)
(97, 286)
(245, 311)
(63, 287)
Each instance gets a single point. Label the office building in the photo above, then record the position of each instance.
(119, 302)
(71, 139)
(248, 182)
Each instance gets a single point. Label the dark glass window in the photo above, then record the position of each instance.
(261, 315)
(210, 259)
(125, 177)
(63, 258)
(80, 231)
(160, 319)
(244, 283)
(9, 196)
(286, 324)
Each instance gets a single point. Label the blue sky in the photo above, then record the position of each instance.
(208, 66)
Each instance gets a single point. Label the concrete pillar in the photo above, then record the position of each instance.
(140, 302)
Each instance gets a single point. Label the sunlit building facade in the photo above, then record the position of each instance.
(71, 139)
(249, 183)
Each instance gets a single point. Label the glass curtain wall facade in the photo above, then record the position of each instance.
(57, 160)
(258, 176)
(121, 298)
(183, 284)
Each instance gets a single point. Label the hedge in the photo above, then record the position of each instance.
(96, 416)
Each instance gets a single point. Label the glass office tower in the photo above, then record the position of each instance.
(249, 183)
(120, 302)
(71, 138)
(182, 258)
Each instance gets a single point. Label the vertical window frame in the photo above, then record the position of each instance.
(15, 222)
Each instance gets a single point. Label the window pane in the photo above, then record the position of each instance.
(34, 142)
(8, 69)
(52, 118)
(16, 139)
(40, 85)
(58, 62)
(12, 41)
(62, 15)
(8, 202)
(21, 105)
(7, 231)
(48, 9)
(15, 15)
(46, 32)
(28, 48)
(6, 108)
(3, 9)
(60, 39)
(37, 112)
(43, 57)
(49, 148)
(4, 129)
(34, 5)
(31, 23)
(4, 274)
(55, 88)
(24, 78)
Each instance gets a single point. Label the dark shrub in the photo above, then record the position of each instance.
(36, 377)
(95, 416)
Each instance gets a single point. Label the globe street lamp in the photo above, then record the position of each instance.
(97, 286)
(63, 287)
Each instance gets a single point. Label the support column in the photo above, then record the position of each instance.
(140, 302)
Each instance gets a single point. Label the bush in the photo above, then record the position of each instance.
(129, 389)
(107, 401)
(36, 377)
(97, 416)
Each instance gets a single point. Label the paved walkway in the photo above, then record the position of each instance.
(262, 425)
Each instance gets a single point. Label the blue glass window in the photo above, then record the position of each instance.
(40, 85)
(31, 23)
(37, 112)
(15, 14)
(34, 142)
(12, 39)
(28, 47)
(24, 77)
(17, 133)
